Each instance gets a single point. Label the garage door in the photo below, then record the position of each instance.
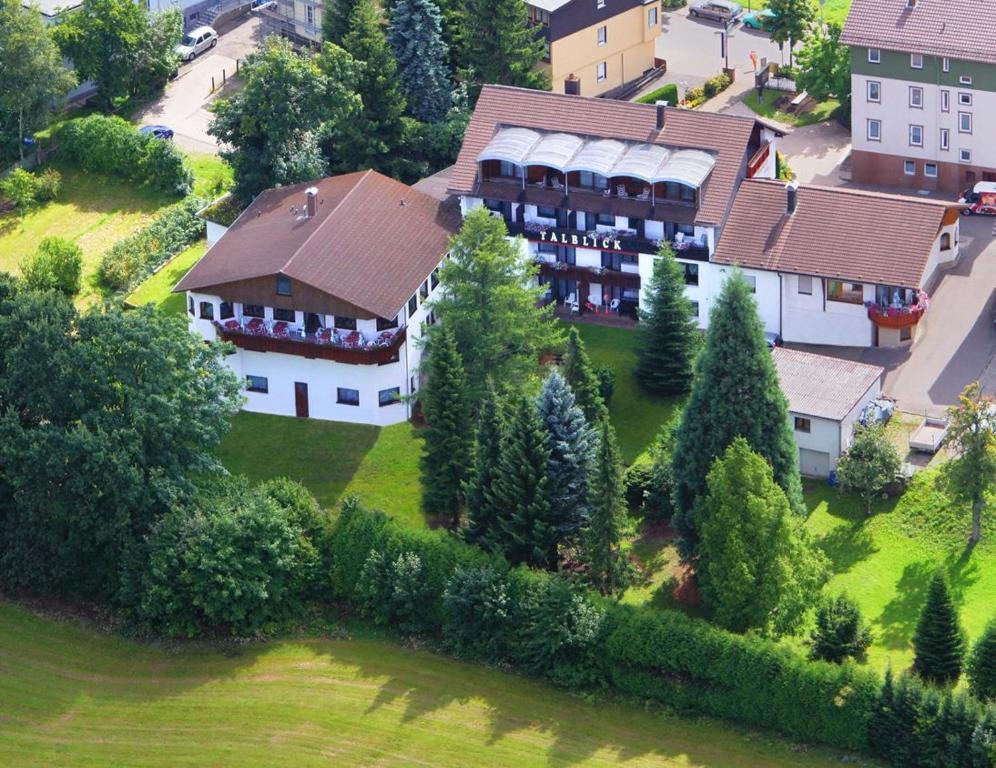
(814, 463)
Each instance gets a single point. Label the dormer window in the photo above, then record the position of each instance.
(283, 285)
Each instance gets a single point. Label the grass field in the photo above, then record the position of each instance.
(833, 10)
(766, 108)
(72, 696)
(157, 289)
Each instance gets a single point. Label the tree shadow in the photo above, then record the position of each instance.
(846, 546)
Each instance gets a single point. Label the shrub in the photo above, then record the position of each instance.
(716, 84)
(478, 611)
(162, 167)
(20, 188)
(869, 464)
(981, 666)
(606, 376)
(48, 185)
(636, 482)
(56, 265)
(395, 591)
(695, 96)
(668, 93)
(840, 631)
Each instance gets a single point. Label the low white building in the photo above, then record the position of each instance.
(826, 396)
(323, 290)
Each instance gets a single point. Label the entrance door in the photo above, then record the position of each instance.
(301, 399)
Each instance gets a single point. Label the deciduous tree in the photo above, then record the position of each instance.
(335, 20)
(824, 65)
(584, 382)
(938, 643)
(56, 265)
(607, 519)
(971, 475)
(415, 36)
(869, 464)
(791, 21)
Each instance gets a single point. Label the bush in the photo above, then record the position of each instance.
(636, 482)
(20, 188)
(48, 185)
(56, 265)
(981, 665)
(131, 259)
(840, 631)
(478, 612)
(694, 96)
(606, 376)
(716, 84)
(668, 93)
(396, 592)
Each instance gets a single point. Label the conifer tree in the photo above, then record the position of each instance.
(580, 375)
(446, 455)
(371, 139)
(335, 20)
(500, 45)
(938, 644)
(571, 443)
(885, 730)
(984, 740)
(667, 333)
(840, 631)
(981, 666)
(607, 519)
(415, 37)
(735, 393)
(520, 492)
(482, 516)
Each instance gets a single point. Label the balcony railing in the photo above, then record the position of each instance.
(629, 242)
(326, 344)
(896, 317)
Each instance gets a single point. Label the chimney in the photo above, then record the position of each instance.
(792, 195)
(572, 85)
(311, 202)
(661, 108)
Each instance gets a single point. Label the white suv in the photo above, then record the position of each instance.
(196, 41)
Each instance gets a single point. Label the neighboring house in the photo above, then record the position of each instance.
(322, 288)
(52, 12)
(594, 186)
(594, 46)
(923, 92)
(300, 21)
(826, 396)
(838, 266)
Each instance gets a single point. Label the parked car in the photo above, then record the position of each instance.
(196, 42)
(722, 11)
(157, 131)
(980, 199)
(773, 339)
(758, 19)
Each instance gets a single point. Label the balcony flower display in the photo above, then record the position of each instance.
(535, 228)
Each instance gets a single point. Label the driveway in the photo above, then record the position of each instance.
(184, 104)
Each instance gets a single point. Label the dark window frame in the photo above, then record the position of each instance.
(206, 310)
(226, 311)
(284, 315)
(345, 322)
(253, 386)
(393, 392)
(253, 310)
(347, 400)
(284, 286)
(383, 324)
(803, 424)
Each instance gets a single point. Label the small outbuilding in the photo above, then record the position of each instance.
(826, 396)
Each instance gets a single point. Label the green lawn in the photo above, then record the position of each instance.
(212, 175)
(766, 108)
(72, 696)
(833, 10)
(157, 289)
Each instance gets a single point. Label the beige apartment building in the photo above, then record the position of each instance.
(594, 46)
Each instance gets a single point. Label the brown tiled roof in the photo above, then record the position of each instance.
(837, 233)
(503, 106)
(372, 243)
(957, 29)
(821, 386)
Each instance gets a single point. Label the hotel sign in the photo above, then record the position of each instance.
(581, 240)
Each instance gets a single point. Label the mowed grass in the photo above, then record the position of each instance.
(158, 288)
(72, 696)
(766, 107)
(833, 10)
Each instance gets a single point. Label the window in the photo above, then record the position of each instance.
(652, 17)
(965, 155)
(603, 35)
(412, 304)
(802, 424)
(227, 310)
(383, 324)
(253, 310)
(695, 309)
(930, 169)
(423, 290)
(546, 212)
(964, 99)
(389, 396)
(916, 60)
(916, 97)
(207, 310)
(752, 282)
(605, 219)
(875, 91)
(600, 71)
(283, 285)
(945, 241)
(906, 333)
(310, 15)
(909, 167)
(916, 135)
(284, 315)
(805, 285)
(945, 139)
(965, 80)
(964, 122)
(849, 293)
(946, 64)
(257, 384)
(691, 274)
(347, 396)
(945, 101)
(509, 170)
(874, 130)
(190, 304)
(434, 278)
(346, 323)
(874, 56)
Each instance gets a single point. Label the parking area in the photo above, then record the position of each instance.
(184, 104)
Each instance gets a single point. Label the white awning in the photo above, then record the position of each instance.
(690, 167)
(511, 145)
(555, 150)
(598, 156)
(641, 161)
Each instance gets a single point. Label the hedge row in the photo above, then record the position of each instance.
(668, 93)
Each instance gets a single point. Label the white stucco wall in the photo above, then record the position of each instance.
(807, 319)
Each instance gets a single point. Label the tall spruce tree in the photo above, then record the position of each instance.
(482, 516)
(580, 375)
(415, 37)
(335, 20)
(607, 518)
(521, 491)
(981, 666)
(735, 393)
(571, 443)
(500, 45)
(448, 434)
(372, 138)
(667, 334)
(938, 644)
(885, 730)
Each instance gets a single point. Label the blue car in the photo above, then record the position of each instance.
(157, 131)
(758, 19)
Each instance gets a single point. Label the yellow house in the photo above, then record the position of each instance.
(594, 46)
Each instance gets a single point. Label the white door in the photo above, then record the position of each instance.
(814, 463)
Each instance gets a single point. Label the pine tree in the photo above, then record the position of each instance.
(984, 740)
(571, 443)
(885, 730)
(520, 491)
(667, 334)
(580, 375)
(335, 20)
(372, 138)
(500, 45)
(735, 393)
(482, 516)
(938, 644)
(607, 520)
(446, 455)
(981, 666)
(415, 37)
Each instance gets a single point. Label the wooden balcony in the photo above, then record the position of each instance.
(887, 317)
(308, 345)
(602, 276)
